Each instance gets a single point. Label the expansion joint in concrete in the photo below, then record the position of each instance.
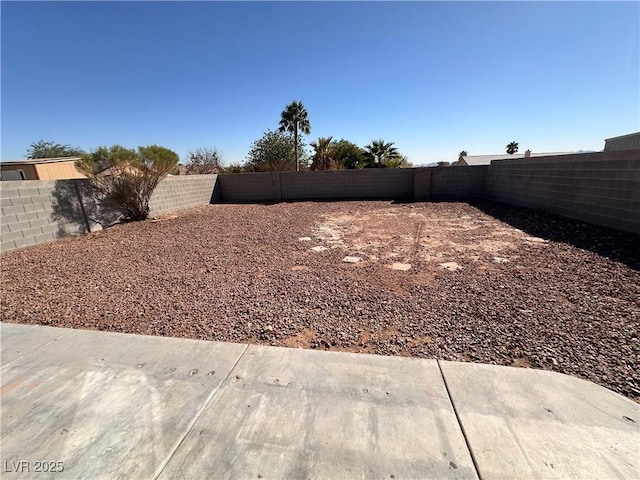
(455, 411)
(196, 417)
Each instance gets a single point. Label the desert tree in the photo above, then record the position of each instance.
(348, 155)
(128, 176)
(293, 119)
(275, 151)
(324, 153)
(44, 149)
(203, 161)
(381, 154)
(463, 153)
(512, 148)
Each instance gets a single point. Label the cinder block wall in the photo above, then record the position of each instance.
(600, 188)
(179, 192)
(37, 211)
(348, 184)
(458, 183)
(250, 187)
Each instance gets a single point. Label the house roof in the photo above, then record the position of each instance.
(38, 161)
(474, 160)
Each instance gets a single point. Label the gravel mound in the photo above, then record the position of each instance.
(531, 290)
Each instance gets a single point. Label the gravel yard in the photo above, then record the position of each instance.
(481, 283)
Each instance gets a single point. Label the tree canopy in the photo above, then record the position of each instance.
(324, 153)
(293, 119)
(44, 149)
(348, 154)
(203, 161)
(128, 176)
(512, 148)
(381, 154)
(275, 151)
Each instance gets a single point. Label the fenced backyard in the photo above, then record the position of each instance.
(479, 281)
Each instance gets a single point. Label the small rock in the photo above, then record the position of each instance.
(451, 266)
(319, 248)
(536, 239)
(305, 239)
(403, 267)
(500, 260)
(351, 259)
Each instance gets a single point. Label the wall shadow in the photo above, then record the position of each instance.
(623, 247)
(76, 210)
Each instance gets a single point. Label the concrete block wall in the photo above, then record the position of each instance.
(364, 184)
(458, 183)
(29, 214)
(37, 211)
(422, 184)
(600, 188)
(250, 187)
(183, 191)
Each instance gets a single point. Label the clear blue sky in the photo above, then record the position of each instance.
(435, 78)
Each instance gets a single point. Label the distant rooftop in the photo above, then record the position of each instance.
(37, 161)
(474, 160)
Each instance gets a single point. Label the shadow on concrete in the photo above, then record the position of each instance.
(623, 247)
(77, 211)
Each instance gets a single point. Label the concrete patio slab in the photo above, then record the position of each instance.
(106, 405)
(111, 405)
(291, 413)
(18, 342)
(524, 423)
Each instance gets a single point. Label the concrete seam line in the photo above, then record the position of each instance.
(455, 411)
(195, 419)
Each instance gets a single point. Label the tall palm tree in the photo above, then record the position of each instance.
(512, 148)
(295, 118)
(323, 158)
(378, 153)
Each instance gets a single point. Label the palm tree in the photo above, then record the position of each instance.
(295, 118)
(512, 148)
(463, 153)
(323, 158)
(378, 153)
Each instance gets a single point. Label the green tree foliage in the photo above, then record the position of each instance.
(204, 161)
(293, 119)
(276, 152)
(233, 168)
(380, 154)
(512, 148)
(445, 164)
(463, 153)
(324, 153)
(44, 149)
(348, 154)
(128, 176)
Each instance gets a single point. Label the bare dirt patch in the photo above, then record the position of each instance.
(567, 301)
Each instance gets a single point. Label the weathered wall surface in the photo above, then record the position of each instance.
(39, 211)
(601, 188)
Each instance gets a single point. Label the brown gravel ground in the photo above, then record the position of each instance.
(534, 290)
